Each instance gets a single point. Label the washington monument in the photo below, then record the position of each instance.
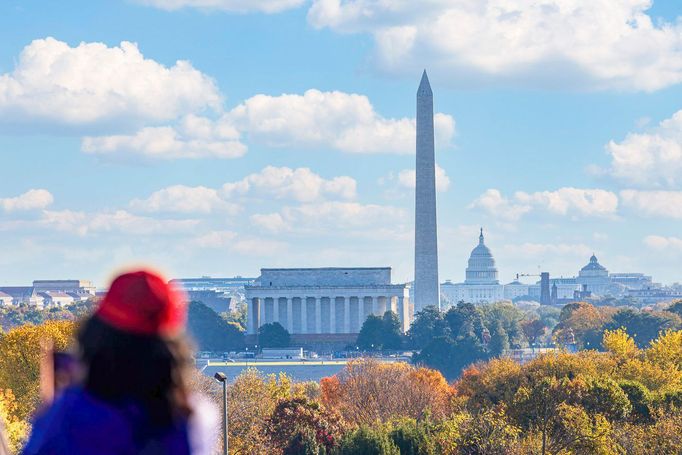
(426, 289)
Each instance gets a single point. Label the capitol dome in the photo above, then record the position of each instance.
(481, 268)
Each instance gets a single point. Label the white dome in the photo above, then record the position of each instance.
(481, 269)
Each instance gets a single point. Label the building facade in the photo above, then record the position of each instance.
(331, 303)
(220, 294)
(481, 284)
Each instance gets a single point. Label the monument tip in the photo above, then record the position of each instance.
(424, 85)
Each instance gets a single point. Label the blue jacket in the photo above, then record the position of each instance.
(78, 423)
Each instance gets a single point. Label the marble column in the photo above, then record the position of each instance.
(290, 314)
(346, 314)
(304, 314)
(275, 311)
(254, 315)
(332, 315)
(318, 314)
(361, 312)
(403, 314)
(261, 312)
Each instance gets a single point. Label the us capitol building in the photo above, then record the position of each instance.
(482, 284)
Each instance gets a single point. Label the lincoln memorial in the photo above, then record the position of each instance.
(325, 304)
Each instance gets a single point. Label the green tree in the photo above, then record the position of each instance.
(643, 326)
(413, 437)
(368, 441)
(391, 333)
(464, 319)
(211, 332)
(509, 316)
(273, 335)
(676, 308)
(371, 333)
(450, 357)
(499, 341)
(640, 399)
(428, 324)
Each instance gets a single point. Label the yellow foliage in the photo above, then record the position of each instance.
(667, 349)
(252, 399)
(15, 429)
(20, 360)
(618, 342)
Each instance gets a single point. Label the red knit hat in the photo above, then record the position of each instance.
(144, 303)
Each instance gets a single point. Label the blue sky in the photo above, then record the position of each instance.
(285, 135)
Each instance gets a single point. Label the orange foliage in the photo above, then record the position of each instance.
(367, 391)
(330, 393)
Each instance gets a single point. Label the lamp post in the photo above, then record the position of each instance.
(222, 378)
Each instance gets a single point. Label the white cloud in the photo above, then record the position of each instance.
(660, 243)
(564, 201)
(239, 6)
(650, 159)
(119, 221)
(337, 120)
(185, 199)
(215, 239)
(664, 204)
(299, 184)
(30, 200)
(93, 83)
(238, 244)
(330, 215)
(194, 137)
(497, 205)
(596, 44)
(407, 178)
(342, 121)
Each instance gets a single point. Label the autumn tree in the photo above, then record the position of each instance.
(15, 428)
(252, 398)
(367, 391)
(533, 330)
(295, 418)
(20, 351)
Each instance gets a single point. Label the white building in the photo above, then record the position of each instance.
(481, 284)
(56, 298)
(5, 299)
(75, 286)
(324, 303)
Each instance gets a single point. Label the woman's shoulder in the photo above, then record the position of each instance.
(77, 422)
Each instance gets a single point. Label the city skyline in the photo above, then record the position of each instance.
(148, 131)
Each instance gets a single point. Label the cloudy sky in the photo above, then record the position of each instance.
(215, 137)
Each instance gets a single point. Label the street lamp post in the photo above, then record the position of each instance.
(222, 378)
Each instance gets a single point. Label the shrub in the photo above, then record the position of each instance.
(640, 400)
(368, 441)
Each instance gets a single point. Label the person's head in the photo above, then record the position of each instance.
(134, 349)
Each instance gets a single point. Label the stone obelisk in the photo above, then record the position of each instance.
(426, 287)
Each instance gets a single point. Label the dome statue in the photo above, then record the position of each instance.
(481, 268)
